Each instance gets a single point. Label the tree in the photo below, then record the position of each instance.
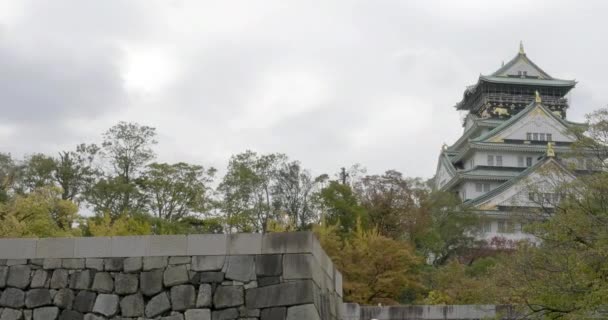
(340, 207)
(376, 269)
(36, 172)
(40, 213)
(450, 231)
(7, 176)
(293, 192)
(393, 203)
(247, 190)
(75, 172)
(175, 190)
(127, 148)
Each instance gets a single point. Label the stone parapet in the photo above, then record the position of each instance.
(353, 311)
(210, 276)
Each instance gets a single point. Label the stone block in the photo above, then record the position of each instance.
(228, 296)
(35, 262)
(70, 315)
(103, 282)
(35, 298)
(169, 245)
(211, 277)
(46, 313)
(183, 297)
(132, 306)
(179, 260)
(81, 280)
(133, 264)
(113, 264)
(134, 246)
(12, 298)
(267, 281)
(93, 247)
(3, 276)
(269, 265)
(240, 268)
(207, 263)
(16, 262)
(84, 301)
(11, 314)
(125, 283)
(151, 282)
(338, 282)
(19, 276)
(287, 242)
(307, 311)
(157, 305)
(106, 304)
(151, 263)
(226, 314)
(94, 263)
(298, 266)
(73, 263)
(283, 294)
(244, 243)
(175, 275)
(40, 279)
(323, 260)
(59, 279)
(279, 313)
(205, 295)
(51, 263)
(92, 316)
(206, 245)
(176, 316)
(64, 298)
(249, 313)
(198, 314)
(55, 248)
(18, 248)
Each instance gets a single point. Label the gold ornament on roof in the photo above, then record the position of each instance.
(538, 99)
(550, 150)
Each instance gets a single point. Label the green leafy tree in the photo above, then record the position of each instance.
(127, 147)
(75, 171)
(247, 190)
(450, 231)
(8, 172)
(173, 191)
(340, 207)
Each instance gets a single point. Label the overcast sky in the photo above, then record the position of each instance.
(329, 83)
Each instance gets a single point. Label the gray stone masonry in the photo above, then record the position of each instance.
(193, 277)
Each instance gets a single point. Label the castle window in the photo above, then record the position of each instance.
(501, 227)
(486, 187)
(499, 161)
(528, 161)
(542, 137)
(549, 137)
(478, 187)
(490, 160)
(529, 136)
(535, 136)
(520, 161)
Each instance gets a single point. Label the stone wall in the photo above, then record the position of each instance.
(242, 276)
(352, 311)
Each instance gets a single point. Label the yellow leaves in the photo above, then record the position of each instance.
(122, 226)
(38, 214)
(376, 269)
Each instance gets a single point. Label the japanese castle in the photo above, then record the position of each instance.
(515, 144)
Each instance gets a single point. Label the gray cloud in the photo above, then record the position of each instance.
(330, 83)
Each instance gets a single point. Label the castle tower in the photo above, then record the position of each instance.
(515, 128)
